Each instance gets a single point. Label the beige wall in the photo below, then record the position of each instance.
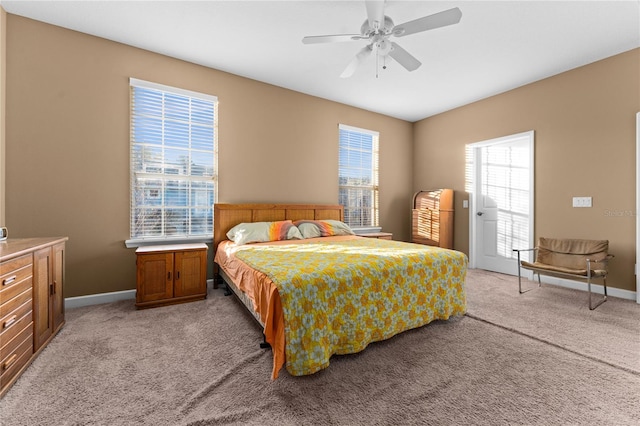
(67, 142)
(584, 123)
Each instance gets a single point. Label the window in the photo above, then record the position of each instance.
(173, 163)
(358, 176)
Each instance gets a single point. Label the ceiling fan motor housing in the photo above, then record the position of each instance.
(368, 31)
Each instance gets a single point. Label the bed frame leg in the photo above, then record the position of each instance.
(227, 290)
(264, 344)
(217, 280)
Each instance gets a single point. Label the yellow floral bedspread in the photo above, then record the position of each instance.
(339, 296)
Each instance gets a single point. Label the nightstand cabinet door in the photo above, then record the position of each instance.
(155, 277)
(190, 273)
(169, 274)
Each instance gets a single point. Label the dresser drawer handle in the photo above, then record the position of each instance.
(8, 323)
(9, 362)
(9, 280)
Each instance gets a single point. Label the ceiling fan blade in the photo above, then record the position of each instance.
(437, 20)
(355, 62)
(331, 38)
(375, 13)
(404, 58)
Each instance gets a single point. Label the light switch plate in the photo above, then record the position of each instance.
(581, 201)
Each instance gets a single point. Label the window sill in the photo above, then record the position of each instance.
(135, 243)
(367, 230)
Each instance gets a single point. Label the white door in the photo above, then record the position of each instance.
(502, 202)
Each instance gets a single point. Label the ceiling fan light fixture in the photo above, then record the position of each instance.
(383, 47)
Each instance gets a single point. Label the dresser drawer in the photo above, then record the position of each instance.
(12, 323)
(15, 282)
(10, 346)
(10, 266)
(12, 364)
(12, 304)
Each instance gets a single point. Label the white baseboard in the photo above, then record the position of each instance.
(595, 288)
(97, 299)
(100, 298)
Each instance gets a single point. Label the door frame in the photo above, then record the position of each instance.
(637, 208)
(473, 158)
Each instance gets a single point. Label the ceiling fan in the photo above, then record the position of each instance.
(378, 28)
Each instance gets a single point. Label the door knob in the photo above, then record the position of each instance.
(480, 213)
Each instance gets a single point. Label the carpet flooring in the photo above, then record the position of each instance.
(533, 359)
(559, 316)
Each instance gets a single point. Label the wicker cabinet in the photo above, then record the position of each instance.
(31, 301)
(170, 274)
(432, 218)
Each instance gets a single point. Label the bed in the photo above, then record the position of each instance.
(334, 293)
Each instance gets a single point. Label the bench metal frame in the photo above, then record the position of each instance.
(588, 278)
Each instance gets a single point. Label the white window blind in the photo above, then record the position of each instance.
(358, 176)
(173, 162)
(505, 179)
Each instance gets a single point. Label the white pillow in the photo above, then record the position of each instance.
(259, 232)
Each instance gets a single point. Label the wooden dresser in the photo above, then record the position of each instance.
(31, 301)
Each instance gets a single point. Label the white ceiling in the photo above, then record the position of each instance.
(497, 46)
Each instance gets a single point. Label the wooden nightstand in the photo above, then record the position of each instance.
(378, 235)
(170, 274)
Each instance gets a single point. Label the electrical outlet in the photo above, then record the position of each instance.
(581, 201)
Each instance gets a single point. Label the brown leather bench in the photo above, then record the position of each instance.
(574, 259)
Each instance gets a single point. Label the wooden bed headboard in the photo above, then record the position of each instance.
(226, 216)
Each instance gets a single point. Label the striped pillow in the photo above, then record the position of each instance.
(322, 228)
(260, 232)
